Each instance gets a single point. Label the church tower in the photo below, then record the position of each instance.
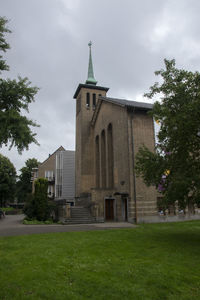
(86, 96)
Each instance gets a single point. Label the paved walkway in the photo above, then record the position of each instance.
(12, 225)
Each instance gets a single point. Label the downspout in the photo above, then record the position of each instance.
(134, 179)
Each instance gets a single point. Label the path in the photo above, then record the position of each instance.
(12, 225)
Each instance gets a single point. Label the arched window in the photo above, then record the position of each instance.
(110, 157)
(103, 159)
(88, 100)
(94, 101)
(97, 160)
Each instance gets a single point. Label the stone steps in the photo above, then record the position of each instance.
(80, 215)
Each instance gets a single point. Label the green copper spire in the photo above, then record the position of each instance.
(90, 79)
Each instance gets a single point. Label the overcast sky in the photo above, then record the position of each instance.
(49, 45)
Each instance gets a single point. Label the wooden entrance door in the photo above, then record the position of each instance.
(109, 209)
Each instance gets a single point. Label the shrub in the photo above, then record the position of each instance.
(38, 206)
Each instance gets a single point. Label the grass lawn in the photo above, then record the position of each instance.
(152, 261)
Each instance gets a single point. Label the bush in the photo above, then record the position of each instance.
(38, 206)
(5, 209)
(36, 222)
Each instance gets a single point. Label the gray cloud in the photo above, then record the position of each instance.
(130, 40)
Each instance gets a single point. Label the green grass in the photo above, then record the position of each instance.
(152, 261)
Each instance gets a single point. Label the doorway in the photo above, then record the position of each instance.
(109, 209)
(125, 208)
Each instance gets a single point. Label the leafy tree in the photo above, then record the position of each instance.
(24, 184)
(174, 168)
(7, 181)
(39, 207)
(15, 97)
(41, 199)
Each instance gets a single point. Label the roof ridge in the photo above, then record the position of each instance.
(146, 105)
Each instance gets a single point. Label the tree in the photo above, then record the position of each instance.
(174, 168)
(15, 97)
(24, 184)
(39, 207)
(7, 181)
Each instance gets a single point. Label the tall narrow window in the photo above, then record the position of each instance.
(94, 101)
(103, 159)
(97, 157)
(88, 100)
(110, 157)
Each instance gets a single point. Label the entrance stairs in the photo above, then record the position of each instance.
(80, 215)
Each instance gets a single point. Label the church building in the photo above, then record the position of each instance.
(109, 132)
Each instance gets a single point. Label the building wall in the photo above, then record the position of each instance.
(130, 131)
(48, 165)
(84, 172)
(68, 184)
(117, 116)
(141, 130)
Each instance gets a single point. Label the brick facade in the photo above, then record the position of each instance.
(108, 137)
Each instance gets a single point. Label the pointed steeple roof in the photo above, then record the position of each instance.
(90, 79)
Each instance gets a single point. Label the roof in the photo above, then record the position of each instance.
(61, 148)
(89, 86)
(128, 103)
(135, 105)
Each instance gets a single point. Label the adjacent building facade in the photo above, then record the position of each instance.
(65, 176)
(59, 170)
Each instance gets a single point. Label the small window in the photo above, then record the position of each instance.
(94, 100)
(49, 175)
(88, 100)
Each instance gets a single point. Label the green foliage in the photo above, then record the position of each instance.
(24, 184)
(4, 46)
(7, 181)
(39, 207)
(151, 163)
(29, 207)
(177, 150)
(40, 199)
(36, 222)
(15, 97)
(5, 209)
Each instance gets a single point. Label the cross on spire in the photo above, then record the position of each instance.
(90, 79)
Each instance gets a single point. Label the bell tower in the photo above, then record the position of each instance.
(86, 96)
